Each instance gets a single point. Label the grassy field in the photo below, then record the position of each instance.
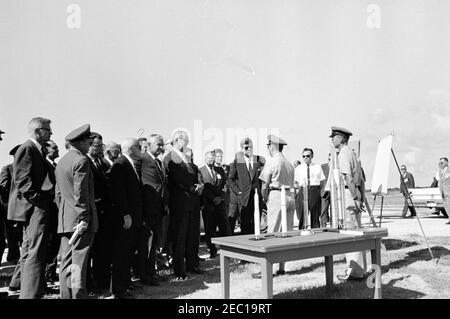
(407, 269)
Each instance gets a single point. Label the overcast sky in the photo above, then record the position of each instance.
(214, 67)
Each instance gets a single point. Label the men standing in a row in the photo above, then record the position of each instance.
(214, 210)
(277, 173)
(408, 181)
(244, 181)
(352, 175)
(12, 230)
(99, 273)
(184, 189)
(75, 198)
(155, 207)
(29, 202)
(54, 240)
(309, 175)
(127, 215)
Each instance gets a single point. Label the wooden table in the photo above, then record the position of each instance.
(275, 248)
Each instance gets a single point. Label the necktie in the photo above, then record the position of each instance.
(307, 175)
(250, 168)
(213, 175)
(158, 164)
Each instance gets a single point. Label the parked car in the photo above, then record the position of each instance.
(429, 197)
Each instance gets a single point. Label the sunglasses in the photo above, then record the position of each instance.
(306, 156)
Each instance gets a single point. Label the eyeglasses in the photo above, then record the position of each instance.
(248, 147)
(306, 156)
(44, 128)
(403, 169)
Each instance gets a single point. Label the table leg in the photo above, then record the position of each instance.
(225, 275)
(329, 271)
(376, 260)
(267, 279)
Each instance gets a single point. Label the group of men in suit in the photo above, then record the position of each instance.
(102, 208)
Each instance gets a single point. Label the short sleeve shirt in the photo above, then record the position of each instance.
(278, 171)
(347, 161)
(315, 174)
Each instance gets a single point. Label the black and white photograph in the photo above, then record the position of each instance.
(202, 151)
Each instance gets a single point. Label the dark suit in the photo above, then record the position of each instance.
(154, 182)
(76, 203)
(243, 184)
(101, 252)
(184, 207)
(127, 199)
(29, 204)
(54, 240)
(12, 230)
(214, 214)
(408, 180)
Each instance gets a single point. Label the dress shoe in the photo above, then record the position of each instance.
(195, 270)
(13, 289)
(345, 278)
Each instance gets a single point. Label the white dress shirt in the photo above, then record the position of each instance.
(315, 174)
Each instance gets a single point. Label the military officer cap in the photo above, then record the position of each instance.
(272, 139)
(340, 131)
(79, 133)
(246, 141)
(14, 150)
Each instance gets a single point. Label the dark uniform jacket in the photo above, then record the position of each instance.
(213, 187)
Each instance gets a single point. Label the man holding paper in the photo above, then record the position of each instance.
(278, 174)
(77, 217)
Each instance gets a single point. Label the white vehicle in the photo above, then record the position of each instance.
(429, 197)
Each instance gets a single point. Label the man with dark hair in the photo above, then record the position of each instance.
(77, 217)
(99, 273)
(214, 211)
(244, 182)
(352, 176)
(408, 181)
(29, 202)
(309, 175)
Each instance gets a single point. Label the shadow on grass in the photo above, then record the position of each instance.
(351, 290)
(394, 244)
(417, 255)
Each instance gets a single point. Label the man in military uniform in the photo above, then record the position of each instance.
(278, 172)
(353, 199)
(75, 199)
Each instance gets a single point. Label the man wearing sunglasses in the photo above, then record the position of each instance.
(408, 181)
(309, 175)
